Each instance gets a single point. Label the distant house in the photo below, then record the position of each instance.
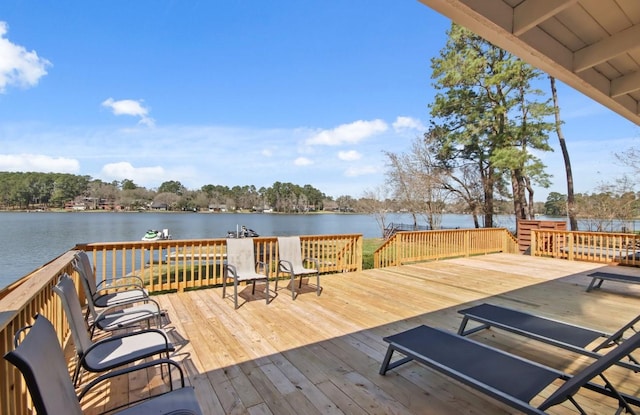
(159, 206)
(330, 205)
(75, 206)
(217, 208)
(106, 204)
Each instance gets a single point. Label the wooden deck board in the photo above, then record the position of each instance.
(321, 355)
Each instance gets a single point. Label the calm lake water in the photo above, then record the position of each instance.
(29, 240)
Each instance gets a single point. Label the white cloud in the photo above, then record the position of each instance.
(125, 170)
(18, 67)
(129, 107)
(350, 155)
(403, 124)
(266, 152)
(360, 171)
(38, 163)
(348, 133)
(302, 161)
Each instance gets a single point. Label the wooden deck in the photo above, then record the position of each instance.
(321, 355)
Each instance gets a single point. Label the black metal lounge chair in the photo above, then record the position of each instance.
(505, 377)
(119, 317)
(41, 360)
(127, 290)
(598, 277)
(291, 262)
(557, 333)
(111, 352)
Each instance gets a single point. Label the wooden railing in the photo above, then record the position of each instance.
(407, 247)
(177, 265)
(166, 265)
(619, 248)
(17, 309)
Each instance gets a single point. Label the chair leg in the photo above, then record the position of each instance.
(224, 285)
(253, 288)
(293, 286)
(76, 373)
(235, 293)
(318, 283)
(267, 290)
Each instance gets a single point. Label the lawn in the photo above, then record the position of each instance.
(368, 248)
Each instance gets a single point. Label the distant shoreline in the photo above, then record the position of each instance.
(321, 212)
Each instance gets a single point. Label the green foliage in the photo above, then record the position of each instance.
(556, 204)
(21, 190)
(128, 185)
(486, 114)
(171, 186)
(53, 190)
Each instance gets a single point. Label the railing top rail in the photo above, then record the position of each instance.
(15, 300)
(599, 233)
(172, 242)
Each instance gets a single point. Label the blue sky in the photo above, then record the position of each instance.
(241, 92)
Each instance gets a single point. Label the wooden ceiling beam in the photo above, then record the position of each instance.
(530, 13)
(625, 84)
(606, 49)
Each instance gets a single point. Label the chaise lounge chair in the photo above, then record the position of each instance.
(242, 266)
(109, 293)
(557, 333)
(505, 377)
(111, 352)
(41, 360)
(598, 277)
(291, 262)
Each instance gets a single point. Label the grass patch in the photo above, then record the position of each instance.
(369, 245)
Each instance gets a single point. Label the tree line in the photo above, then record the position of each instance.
(33, 190)
(612, 207)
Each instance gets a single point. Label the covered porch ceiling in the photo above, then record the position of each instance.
(591, 45)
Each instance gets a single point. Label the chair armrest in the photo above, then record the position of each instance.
(231, 269)
(285, 266)
(121, 283)
(262, 265)
(16, 337)
(314, 261)
(131, 369)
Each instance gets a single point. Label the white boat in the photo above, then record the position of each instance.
(156, 235)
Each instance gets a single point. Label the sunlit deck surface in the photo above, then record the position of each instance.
(321, 355)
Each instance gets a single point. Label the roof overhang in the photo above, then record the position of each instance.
(591, 45)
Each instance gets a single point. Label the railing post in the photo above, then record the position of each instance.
(533, 247)
(359, 247)
(467, 243)
(570, 245)
(504, 241)
(396, 242)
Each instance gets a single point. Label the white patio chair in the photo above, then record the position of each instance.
(292, 263)
(242, 266)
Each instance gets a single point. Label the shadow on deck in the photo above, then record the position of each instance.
(321, 355)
